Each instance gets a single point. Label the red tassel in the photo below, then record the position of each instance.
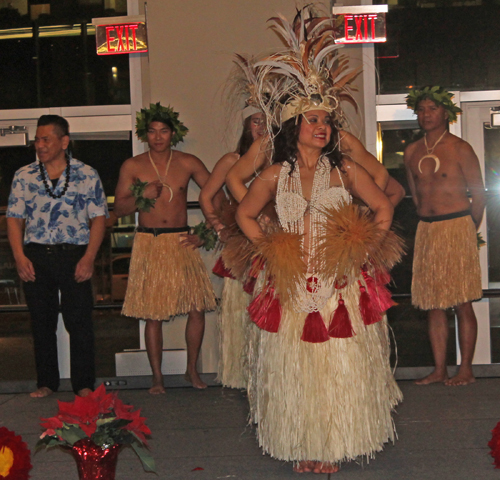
(340, 325)
(379, 295)
(314, 329)
(257, 265)
(370, 315)
(265, 310)
(384, 298)
(249, 285)
(221, 270)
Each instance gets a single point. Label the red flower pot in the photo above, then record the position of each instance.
(93, 462)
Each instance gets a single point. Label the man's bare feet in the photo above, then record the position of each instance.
(315, 467)
(157, 388)
(195, 380)
(434, 377)
(41, 392)
(460, 379)
(84, 392)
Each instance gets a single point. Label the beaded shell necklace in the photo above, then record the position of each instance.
(314, 291)
(50, 191)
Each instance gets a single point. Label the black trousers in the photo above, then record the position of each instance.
(55, 272)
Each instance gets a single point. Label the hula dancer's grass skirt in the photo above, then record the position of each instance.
(327, 402)
(234, 326)
(446, 269)
(166, 279)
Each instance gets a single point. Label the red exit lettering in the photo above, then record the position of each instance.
(363, 23)
(121, 33)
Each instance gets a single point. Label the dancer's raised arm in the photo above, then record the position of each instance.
(247, 167)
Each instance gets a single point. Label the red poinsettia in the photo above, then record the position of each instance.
(103, 418)
(494, 444)
(15, 462)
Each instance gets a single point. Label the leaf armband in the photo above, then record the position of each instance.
(480, 241)
(207, 235)
(142, 203)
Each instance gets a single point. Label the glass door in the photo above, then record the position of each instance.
(485, 141)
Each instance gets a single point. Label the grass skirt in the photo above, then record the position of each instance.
(234, 325)
(330, 401)
(446, 269)
(254, 333)
(166, 279)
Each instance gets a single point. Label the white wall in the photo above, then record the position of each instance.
(190, 57)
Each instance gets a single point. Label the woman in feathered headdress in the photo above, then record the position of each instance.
(310, 71)
(325, 389)
(234, 325)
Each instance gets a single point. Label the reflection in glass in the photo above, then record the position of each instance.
(492, 184)
(464, 57)
(57, 66)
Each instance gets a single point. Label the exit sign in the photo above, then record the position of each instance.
(118, 35)
(360, 24)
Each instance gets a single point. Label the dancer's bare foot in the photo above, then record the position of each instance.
(84, 392)
(315, 467)
(325, 467)
(462, 378)
(304, 467)
(41, 392)
(157, 388)
(194, 378)
(434, 377)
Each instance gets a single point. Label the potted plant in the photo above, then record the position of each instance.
(94, 428)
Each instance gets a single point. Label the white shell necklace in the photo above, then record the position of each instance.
(430, 151)
(314, 291)
(163, 180)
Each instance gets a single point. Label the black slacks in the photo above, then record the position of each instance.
(55, 272)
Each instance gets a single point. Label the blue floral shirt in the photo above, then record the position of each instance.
(57, 220)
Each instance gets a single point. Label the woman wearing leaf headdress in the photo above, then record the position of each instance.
(325, 390)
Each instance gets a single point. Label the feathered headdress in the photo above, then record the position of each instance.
(247, 82)
(309, 75)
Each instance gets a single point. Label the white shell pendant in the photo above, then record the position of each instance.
(436, 159)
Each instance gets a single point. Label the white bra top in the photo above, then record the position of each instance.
(291, 206)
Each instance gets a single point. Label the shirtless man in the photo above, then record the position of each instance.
(167, 275)
(442, 170)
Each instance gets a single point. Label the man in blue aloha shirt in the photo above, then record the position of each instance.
(53, 200)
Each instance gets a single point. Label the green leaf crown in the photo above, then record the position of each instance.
(158, 113)
(439, 95)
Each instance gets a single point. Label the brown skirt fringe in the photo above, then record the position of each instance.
(446, 269)
(166, 279)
